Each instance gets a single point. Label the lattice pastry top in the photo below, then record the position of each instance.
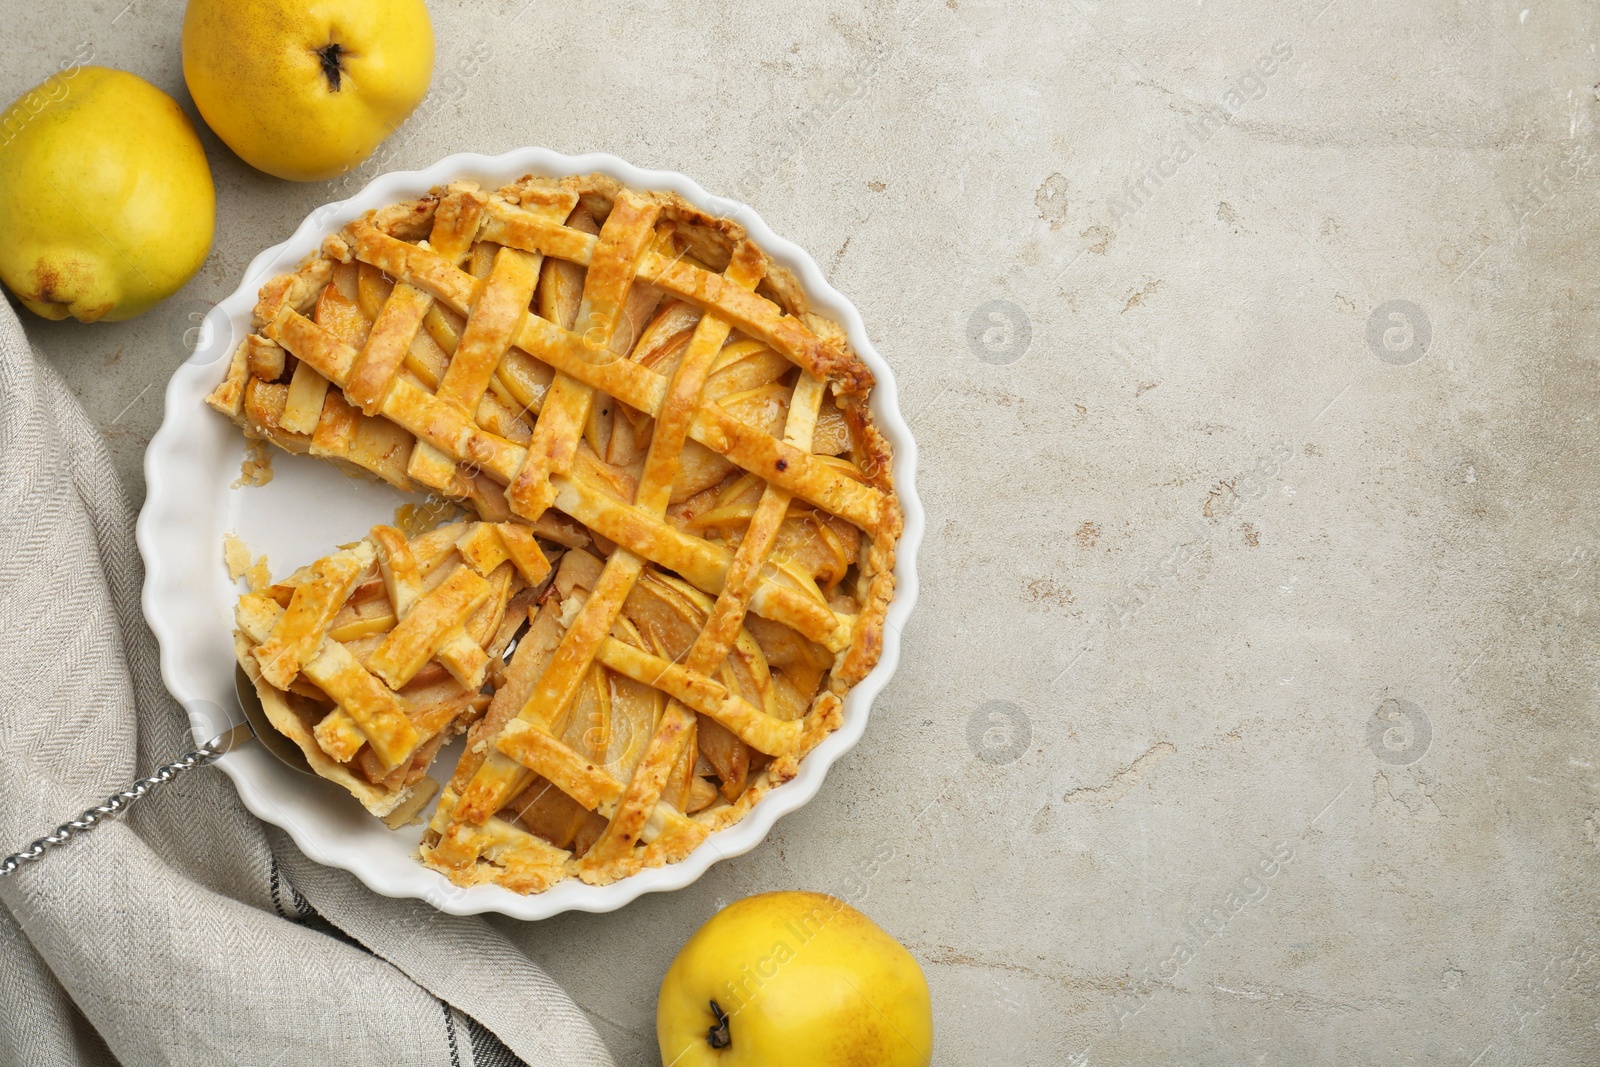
(615, 383)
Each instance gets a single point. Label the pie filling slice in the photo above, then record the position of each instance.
(681, 534)
(372, 658)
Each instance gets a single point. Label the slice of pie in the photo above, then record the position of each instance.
(372, 658)
(632, 388)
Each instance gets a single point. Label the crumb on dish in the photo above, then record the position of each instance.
(256, 469)
(237, 556)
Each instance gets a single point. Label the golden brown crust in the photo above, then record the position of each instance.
(576, 422)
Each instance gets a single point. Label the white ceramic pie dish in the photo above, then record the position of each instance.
(308, 507)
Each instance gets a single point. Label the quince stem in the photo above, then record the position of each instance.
(719, 1035)
(329, 54)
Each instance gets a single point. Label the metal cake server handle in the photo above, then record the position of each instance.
(256, 725)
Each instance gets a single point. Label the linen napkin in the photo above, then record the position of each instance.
(188, 932)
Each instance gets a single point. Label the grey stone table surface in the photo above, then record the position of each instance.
(1248, 714)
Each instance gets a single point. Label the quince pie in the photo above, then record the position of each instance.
(682, 523)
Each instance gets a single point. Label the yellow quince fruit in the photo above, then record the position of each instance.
(106, 202)
(794, 980)
(306, 89)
